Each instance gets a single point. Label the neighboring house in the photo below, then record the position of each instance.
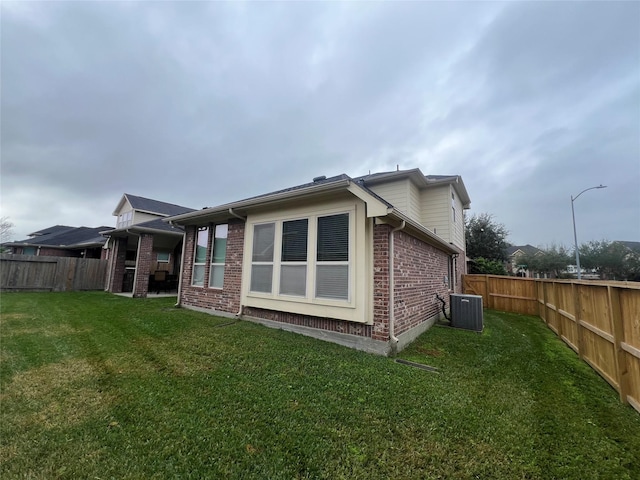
(61, 241)
(514, 253)
(145, 252)
(356, 261)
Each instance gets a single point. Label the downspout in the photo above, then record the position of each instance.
(241, 308)
(184, 247)
(392, 336)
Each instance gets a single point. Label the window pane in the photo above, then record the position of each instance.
(217, 276)
(294, 240)
(263, 236)
(201, 246)
(332, 281)
(163, 257)
(198, 275)
(333, 238)
(220, 244)
(261, 277)
(293, 280)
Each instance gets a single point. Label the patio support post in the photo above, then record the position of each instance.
(143, 265)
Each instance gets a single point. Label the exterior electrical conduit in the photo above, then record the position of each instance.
(392, 336)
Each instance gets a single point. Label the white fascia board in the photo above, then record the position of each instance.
(375, 207)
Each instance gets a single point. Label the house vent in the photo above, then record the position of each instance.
(320, 178)
(466, 312)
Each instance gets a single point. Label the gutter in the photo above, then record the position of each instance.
(392, 316)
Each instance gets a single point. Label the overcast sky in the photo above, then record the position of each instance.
(200, 104)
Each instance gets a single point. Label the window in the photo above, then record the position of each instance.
(125, 219)
(200, 257)
(262, 258)
(453, 206)
(332, 258)
(162, 257)
(306, 257)
(218, 255)
(293, 261)
(29, 250)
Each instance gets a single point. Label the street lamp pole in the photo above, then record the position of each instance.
(575, 236)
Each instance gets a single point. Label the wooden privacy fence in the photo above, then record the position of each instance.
(600, 321)
(20, 273)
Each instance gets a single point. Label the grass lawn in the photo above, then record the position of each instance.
(99, 386)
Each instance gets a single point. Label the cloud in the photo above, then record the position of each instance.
(208, 102)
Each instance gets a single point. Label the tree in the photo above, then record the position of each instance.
(612, 260)
(486, 238)
(6, 231)
(487, 267)
(551, 260)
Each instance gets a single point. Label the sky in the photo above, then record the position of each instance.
(204, 103)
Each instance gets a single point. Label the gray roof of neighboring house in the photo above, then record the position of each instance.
(527, 249)
(67, 237)
(156, 206)
(635, 246)
(55, 230)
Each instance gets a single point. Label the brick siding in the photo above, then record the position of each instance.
(143, 265)
(381, 282)
(226, 299)
(419, 273)
(331, 324)
(118, 257)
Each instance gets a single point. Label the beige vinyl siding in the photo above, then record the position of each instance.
(396, 193)
(415, 210)
(458, 228)
(139, 217)
(436, 210)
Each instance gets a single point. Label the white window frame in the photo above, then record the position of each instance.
(195, 256)
(125, 219)
(263, 263)
(311, 263)
(159, 260)
(214, 265)
(283, 263)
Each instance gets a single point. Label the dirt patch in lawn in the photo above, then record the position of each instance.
(54, 395)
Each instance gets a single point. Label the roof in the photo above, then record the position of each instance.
(56, 229)
(150, 205)
(156, 226)
(635, 246)
(526, 249)
(322, 186)
(423, 181)
(67, 237)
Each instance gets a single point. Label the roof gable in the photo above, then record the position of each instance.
(149, 205)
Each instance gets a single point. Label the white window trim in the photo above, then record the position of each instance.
(311, 263)
(212, 240)
(198, 264)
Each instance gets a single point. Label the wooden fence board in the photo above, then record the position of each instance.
(598, 320)
(57, 274)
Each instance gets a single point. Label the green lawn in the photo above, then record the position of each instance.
(99, 386)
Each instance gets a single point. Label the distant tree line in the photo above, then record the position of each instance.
(486, 242)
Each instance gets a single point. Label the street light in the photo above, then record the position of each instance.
(575, 236)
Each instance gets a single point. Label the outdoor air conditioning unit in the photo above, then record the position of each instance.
(466, 312)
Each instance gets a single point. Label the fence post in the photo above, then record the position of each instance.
(617, 324)
(577, 305)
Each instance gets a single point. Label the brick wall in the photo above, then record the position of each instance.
(57, 252)
(118, 256)
(226, 299)
(331, 324)
(381, 282)
(419, 273)
(144, 258)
